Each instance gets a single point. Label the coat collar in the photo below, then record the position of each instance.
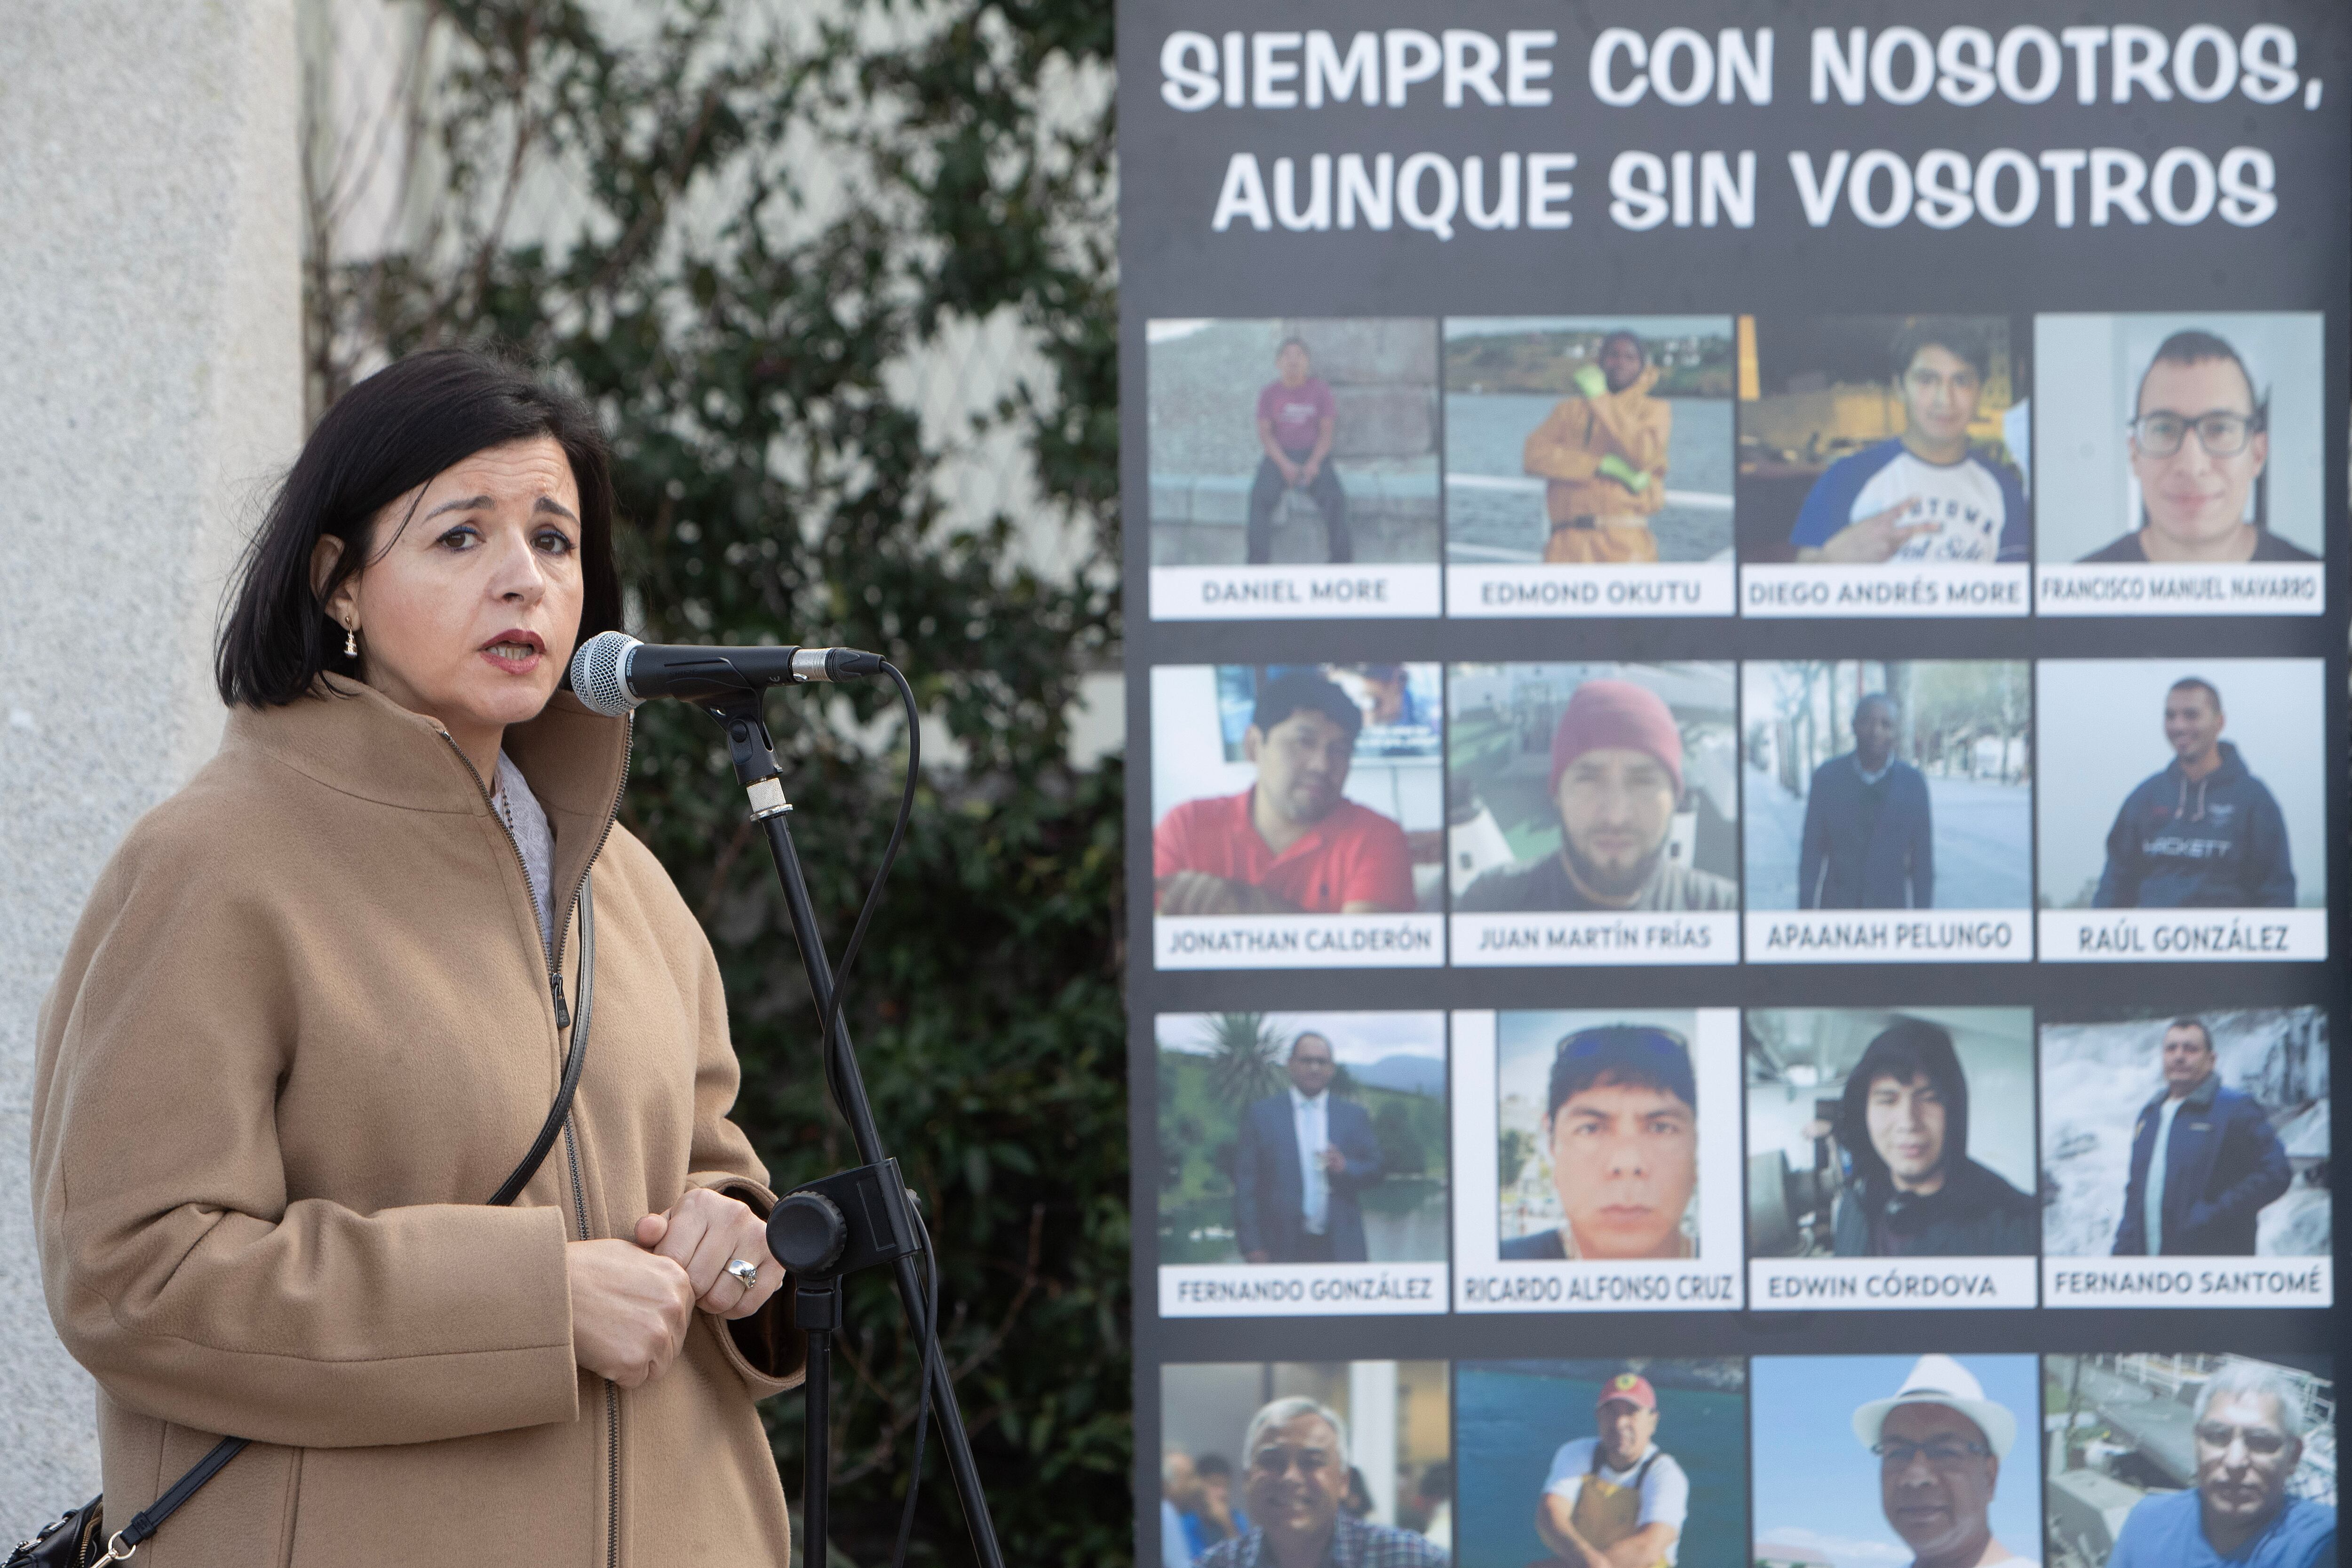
(2198, 1100)
(355, 741)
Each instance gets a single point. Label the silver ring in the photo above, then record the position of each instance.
(746, 1274)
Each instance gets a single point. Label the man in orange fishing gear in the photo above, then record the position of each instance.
(1615, 1499)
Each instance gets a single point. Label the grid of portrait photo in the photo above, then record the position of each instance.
(1770, 466)
(1558, 814)
(2110, 1460)
(1918, 1034)
(1926, 1157)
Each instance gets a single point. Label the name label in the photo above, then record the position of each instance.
(2188, 1282)
(1677, 1285)
(1889, 936)
(1300, 1289)
(1687, 588)
(1299, 941)
(2175, 936)
(1293, 593)
(2150, 588)
(1896, 589)
(1881, 1284)
(1530, 941)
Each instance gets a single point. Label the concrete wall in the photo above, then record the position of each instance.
(150, 386)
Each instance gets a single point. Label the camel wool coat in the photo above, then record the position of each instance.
(304, 1029)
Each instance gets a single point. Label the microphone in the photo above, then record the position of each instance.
(612, 671)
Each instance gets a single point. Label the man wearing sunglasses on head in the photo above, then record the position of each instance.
(2200, 439)
(1940, 1443)
(2249, 1441)
(1296, 1454)
(1623, 1131)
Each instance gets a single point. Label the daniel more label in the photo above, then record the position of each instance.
(1372, 590)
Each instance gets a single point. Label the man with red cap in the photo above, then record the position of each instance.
(1617, 1499)
(1616, 780)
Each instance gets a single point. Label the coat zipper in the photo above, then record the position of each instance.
(553, 954)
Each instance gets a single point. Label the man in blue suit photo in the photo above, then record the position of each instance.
(2204, 1162)
(1303, 1157)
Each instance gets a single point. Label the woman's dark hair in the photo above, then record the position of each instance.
(383, 438)
(1907, 1050)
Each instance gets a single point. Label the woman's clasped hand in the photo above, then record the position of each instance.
(633, 1302)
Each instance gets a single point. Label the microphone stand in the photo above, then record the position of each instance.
(863, 1214)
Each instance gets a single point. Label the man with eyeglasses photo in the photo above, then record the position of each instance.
(2250, 1420)
(2200, 440)
(1296, 1454)
(1940, 1443)
(1622, 1133)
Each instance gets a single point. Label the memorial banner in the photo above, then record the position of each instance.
(1738, 720)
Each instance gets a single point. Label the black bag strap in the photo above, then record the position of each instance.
(148, 1520)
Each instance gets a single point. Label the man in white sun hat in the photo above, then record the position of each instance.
(1940, 1443)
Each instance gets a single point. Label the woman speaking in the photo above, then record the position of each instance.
(319, 1007)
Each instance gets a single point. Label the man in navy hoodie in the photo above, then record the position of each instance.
(2202, 833)
(2204, 1160)
(1869, 832)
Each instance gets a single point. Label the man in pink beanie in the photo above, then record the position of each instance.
(1616, 779)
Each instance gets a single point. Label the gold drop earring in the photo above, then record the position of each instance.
(351, 640)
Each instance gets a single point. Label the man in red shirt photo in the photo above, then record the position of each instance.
(1297, 419)
(1290, 844)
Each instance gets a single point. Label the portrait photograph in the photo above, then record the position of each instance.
(1588, 440)
(1888, 785)
(2180, 439)
(2235, 1100)
(2183, 784)
(1598, 1135)
(1639, 1460)
(1877, 1461)
(1346, 1462)
(1293, 441)
(1890, 1133)
(1593, 787)
(2166, 1460)
(1302, 1137)
(1281, 791)
(1880, 440)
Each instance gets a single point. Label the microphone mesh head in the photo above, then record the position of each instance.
(596, 674)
